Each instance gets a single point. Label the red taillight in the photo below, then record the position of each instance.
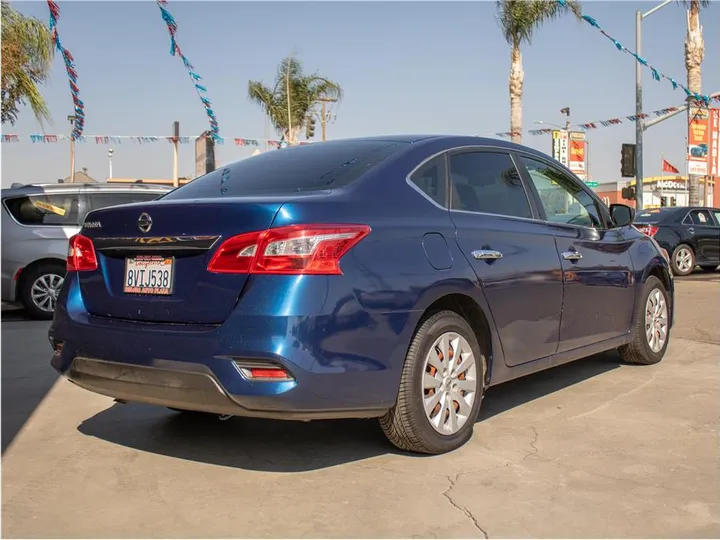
(650, 230)
(295, 249)
(81, 254)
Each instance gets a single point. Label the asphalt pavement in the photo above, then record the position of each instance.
(590, 449)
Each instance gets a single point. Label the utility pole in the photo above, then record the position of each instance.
(71, 119)
(323, 117)
(110, 155)
(639, 122)
(175, 141)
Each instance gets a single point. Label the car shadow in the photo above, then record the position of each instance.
(288, 446)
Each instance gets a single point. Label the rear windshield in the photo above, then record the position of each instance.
(311, 167)
(653, 215)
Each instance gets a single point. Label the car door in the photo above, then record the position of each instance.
(511, 251)
(704, 234)
(598, 301)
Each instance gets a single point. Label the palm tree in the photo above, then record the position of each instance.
(304, 91)
(27, 53)
(518, 20)
(694, 54)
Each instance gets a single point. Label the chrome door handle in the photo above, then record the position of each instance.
(486, 255)
(691, 230)
(572, 256)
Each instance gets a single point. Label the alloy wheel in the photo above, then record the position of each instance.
(656, 320)
(45, 290)
(683, 260)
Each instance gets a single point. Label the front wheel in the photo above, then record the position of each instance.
(651, 334)
(441, 388)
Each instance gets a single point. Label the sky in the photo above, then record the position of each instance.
(405, 67)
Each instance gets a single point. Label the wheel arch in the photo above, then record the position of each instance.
(32, 266)
(477, 317)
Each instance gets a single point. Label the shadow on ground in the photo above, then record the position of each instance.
(286, 446)
(26, 373)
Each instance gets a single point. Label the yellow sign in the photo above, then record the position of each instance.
(49, 208)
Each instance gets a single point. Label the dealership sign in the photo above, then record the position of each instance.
(702, 151)
(576, 157)
(560, 146)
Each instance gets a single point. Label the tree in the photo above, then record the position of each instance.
(694, 54)
(518, 20)
(27, 54)
(305, 90)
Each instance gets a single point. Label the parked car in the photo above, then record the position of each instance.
(390, 277)
(690, 234)
(37, 221)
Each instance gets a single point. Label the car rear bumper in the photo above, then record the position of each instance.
(181, 385)
(342, 365)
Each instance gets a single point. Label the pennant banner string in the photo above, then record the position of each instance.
(194, 77)
(657, 75)
(79, 106)
(140, 139)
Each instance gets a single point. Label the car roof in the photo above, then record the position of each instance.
(115, 187)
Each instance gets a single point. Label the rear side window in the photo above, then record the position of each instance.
(487, 182)
(700, 217)
(430, 179)
(311, 167)
(50, 210)
(103, 200)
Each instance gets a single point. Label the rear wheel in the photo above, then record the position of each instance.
(441, 388)
(683, 260)
(40, 287)
(652, 326)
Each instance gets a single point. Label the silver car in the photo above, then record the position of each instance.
(37, 221)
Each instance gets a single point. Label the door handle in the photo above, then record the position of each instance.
(486, 255)
(572, 256)
(691, 230)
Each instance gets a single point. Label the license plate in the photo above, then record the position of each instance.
(149, 274)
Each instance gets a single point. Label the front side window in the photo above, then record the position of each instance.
(46, 210)
(430, 179)
(487, 182)
(562, 198)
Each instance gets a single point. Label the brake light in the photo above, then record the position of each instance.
(650, 230)
(81, 254)
(295, 249)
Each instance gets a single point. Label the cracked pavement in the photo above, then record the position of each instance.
(592, 449)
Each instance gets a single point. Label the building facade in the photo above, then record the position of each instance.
(660, 191)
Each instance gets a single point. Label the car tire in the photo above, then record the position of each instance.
(407, 425)
(683, 260)
(40, 287)
(641, 350)
(708, 268)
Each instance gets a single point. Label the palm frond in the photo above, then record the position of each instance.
(518, 19)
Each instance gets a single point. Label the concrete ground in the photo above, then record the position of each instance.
(591, 449)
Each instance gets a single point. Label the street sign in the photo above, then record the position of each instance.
(592, 184)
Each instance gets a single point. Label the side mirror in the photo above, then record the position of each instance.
(622, 214)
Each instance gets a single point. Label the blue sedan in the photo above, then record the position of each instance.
(387, 277)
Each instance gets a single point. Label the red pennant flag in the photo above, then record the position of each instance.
(669, 167)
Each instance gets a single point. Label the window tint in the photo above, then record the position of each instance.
(57, 210)
(487, 182)
(309, 167)
(103, 200)
(562, 198)
(430, 179)
(701, 217)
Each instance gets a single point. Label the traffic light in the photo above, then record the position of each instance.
(663, 201)
(673, 201)
(627, 161)
(310, 127)
(628, 193)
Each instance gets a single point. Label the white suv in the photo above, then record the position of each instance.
(37, 221)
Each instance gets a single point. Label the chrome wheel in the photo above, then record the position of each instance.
(449, 383)
(684, 260)
(45, 290)
(656, 320)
